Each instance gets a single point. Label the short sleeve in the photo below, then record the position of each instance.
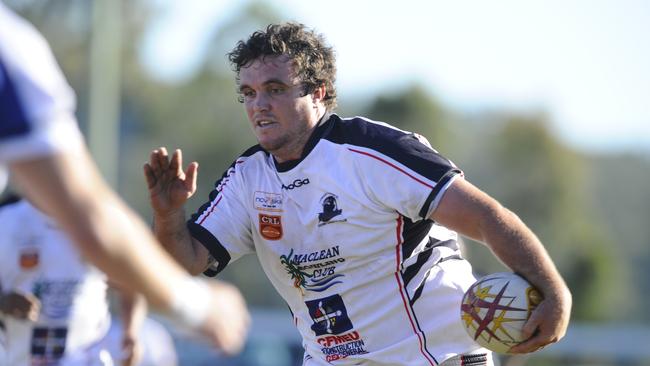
(222, 224)
(405, 173)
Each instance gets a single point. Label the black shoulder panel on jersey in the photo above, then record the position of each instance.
(404, 147)
(212, 244)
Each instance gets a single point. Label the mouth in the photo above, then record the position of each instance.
(264, 123)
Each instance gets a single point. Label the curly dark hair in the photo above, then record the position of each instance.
(314, 61)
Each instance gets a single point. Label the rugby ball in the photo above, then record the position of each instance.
(495, 309)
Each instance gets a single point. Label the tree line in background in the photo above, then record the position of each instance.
(591, 211)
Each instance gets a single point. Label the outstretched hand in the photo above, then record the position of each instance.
(169, 186)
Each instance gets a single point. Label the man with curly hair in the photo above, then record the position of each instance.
(354, 221)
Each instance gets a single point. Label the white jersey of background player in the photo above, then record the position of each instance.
(37, 110)
(38, 258)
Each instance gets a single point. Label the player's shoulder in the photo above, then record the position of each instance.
(250, 158)
(19, 40)
(358, 129)
(370, 135)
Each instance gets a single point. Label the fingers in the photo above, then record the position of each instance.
(159, 160)
(23, 306)
(163, 158)
(176, 163)
(160, 163)
(536, 334)
(531, 325)
(149, 175)
(190, 176)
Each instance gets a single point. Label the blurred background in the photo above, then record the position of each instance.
(543, 104)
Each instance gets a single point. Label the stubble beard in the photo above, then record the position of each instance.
(287, 147)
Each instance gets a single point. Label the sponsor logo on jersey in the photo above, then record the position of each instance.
(56, 297)
(265, 201)
(296, 184)
(270, 226)
(320, 272)
(29, 258)
(331, 209)
(336, 337)
(336, 347)
(329, 315)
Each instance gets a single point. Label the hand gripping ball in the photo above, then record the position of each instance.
(495, 309)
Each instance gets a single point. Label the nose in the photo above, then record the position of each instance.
(262, 102)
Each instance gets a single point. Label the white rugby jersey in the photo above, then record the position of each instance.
(36, 103)
(37, 258)
(342, 235)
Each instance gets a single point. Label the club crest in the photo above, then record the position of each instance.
(330, 210)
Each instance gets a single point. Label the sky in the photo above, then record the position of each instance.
(585, 63)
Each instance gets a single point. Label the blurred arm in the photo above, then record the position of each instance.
(69, 188)
(133, 312)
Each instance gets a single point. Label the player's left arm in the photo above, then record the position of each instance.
(133, 311)
(472, 213)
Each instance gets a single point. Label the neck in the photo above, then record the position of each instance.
(296, 149)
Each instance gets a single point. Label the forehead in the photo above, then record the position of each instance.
(265, 69)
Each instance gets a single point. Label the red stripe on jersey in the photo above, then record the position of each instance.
(402, 290)
(211, 210)
(391, 165)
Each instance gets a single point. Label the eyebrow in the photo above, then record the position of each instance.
(265, 83)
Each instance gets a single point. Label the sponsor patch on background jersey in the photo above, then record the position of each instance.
(270, 226)
(29, 258)
(265, 201)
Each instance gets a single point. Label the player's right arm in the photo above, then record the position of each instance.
(169, 189)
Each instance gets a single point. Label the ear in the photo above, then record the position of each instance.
(319, 94)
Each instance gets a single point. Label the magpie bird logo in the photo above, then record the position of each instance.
(331, 209)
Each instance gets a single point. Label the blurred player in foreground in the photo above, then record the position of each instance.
(355, 222)
(44, 149)
(53, 303)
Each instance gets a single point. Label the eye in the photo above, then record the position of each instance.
(274, 90)
(246, 95)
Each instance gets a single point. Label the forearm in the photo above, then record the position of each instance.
(134, 311)
(471, 212)
(172, 232)
(519, 249)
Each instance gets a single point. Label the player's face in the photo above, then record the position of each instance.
(281, 115)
